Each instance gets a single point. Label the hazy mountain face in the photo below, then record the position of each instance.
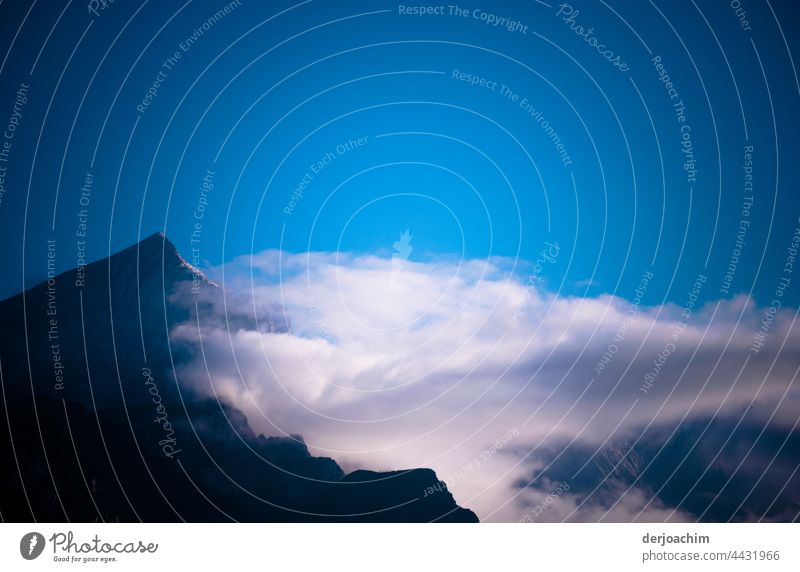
(718, 470)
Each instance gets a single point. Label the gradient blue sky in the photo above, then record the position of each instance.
(271, 88)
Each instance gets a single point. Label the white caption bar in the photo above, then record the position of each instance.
(355, 547)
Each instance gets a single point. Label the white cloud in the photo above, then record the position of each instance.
(428, 363)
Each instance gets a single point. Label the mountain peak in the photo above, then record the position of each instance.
(156, 253)
(159, 250)
(157, 241)
(152, 247)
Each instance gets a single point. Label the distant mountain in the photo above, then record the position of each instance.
(712, 470)
(101, 428)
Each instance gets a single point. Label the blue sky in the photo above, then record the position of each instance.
(267, 91)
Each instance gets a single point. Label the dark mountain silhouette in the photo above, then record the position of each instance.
(96, 426)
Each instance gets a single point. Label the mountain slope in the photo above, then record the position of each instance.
(101, 429)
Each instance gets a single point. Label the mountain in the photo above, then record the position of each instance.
(100, 428)
(712, 470)
(96, 328)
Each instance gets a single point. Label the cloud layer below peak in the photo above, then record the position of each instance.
(390, 363)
